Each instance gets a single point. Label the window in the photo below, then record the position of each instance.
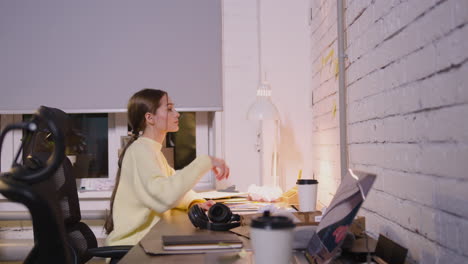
(90, 156)
(97, 165)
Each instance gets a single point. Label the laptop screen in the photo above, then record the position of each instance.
(331, 231)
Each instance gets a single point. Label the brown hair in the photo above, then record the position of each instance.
(142, 102)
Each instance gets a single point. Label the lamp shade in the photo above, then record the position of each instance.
(263, 108)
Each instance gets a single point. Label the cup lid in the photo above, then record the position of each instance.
(266, 221)
(306, 181)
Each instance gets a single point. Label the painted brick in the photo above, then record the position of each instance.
(323, 39)
(441, 125)
(325, 122)
(405, 121)
(413, 187)
(420, 95)
(375, 12)
(459, 8)
(423, 94)
(326, 105)
(320, 12)
(412, 67)
(354, 9)
(387, 228)
(378, 200)
(448, 256)
(320, 49)
(325, 74)
(325, 89)
(446, 160)
(451, 196)
(326, 16)
(370, 85)
(400, 16)
(326, 137)
(428, 224)
(329, 151)
(398, 45)
(447, 230)
(400, 76)
(358, 14)
(452, 49)
(327, 77)
(463, 242)
(444, 228)
(421, 249)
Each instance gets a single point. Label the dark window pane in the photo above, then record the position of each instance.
(185, 148)
(90, 160)
(180, 147)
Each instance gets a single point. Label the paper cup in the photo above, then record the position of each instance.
(272, 238)
(307, 190)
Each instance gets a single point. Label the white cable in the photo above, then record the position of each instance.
(259, 42)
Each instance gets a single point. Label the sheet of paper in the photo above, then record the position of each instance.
(220, 195)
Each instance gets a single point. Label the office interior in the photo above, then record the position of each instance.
(393, 102)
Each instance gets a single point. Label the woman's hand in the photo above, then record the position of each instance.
(220, 169)
(206, 205)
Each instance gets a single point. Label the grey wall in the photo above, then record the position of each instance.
(90, 56)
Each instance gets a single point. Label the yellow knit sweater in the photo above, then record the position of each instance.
(149, 187)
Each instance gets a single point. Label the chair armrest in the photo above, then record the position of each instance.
(109, 252)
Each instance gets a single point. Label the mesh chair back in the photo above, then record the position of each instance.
(61, 192)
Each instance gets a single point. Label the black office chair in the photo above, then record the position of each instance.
(46, 185)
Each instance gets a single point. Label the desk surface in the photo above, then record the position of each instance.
(176, 222)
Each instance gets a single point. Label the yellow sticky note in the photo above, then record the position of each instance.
(328, 57)
(337, 68)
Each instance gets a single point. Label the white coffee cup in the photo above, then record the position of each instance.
(272, 238)
(307, 190)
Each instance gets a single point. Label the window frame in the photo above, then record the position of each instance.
(101, 188)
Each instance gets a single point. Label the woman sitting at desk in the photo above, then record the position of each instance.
(146, 186)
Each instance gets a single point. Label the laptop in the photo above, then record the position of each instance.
(330, 233)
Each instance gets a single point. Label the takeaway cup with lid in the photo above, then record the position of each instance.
(307, 190)
(272, 238)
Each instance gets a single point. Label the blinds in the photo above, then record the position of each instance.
(92, 55)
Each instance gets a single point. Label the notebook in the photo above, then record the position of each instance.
(331, 231)
(196, 242)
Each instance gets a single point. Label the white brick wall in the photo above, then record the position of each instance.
(407, 78)
(325, 132)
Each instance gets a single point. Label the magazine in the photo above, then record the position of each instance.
(343, 208)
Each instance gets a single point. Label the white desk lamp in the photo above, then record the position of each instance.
(262, 110)
(265, 112)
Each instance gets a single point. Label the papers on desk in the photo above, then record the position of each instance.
(246, 206)
(196, 242)
(216, 195)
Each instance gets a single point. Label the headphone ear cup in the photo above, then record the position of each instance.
(236, 217)
(198, 217)
(220, 213)
(222, 226)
